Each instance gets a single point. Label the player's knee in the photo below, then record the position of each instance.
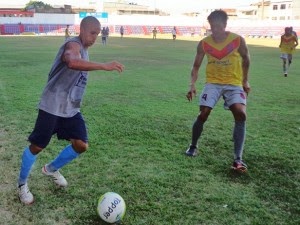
(34, 149)
(79, 146)
(203, 116)
(240, 116)
(204, 113)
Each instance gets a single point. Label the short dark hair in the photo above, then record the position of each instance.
(218, 15)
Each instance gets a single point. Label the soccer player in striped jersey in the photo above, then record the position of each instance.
(227, 69)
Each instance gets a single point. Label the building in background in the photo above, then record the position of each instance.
(255, 20)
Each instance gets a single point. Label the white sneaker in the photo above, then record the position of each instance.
(56, 176)
(25, 195)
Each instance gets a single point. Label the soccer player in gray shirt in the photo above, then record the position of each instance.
(59, 107)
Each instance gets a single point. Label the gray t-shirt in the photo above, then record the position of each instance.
(63, 93)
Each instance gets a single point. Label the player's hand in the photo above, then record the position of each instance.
(246, 87)
(190, 95)
(118, 66)
(114, 65)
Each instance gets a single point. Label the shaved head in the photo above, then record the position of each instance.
(89, 20)
(89, 29)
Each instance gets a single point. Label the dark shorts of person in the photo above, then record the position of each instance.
(65, 128)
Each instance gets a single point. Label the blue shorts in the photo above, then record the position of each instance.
(65, 128)
(230, 93)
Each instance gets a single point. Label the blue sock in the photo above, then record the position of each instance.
(28, 160)
(64, 157)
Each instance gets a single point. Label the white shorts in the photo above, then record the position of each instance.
(230, 93)
(286, 56)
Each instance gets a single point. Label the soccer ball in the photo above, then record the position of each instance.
(111, 207)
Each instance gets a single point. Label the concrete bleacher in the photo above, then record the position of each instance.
(59, 29)
(243, 31)
(135, 30)
(258, 31)
(8, 29)
(11, 29)
(143, 25)
(32, 28)
(274, 31)
(297, 30)
(146, 30)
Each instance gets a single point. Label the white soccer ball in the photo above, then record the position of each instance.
(111, 207)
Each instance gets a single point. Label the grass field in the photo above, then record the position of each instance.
(139, 126)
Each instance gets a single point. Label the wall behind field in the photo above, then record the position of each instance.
(179, 20)
(245, 27)
(43, 18)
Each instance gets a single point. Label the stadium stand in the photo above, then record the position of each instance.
(140, 20)
(274, 31)
(52, 28)
(11, 29)
(297, 29)
(136, 29)
(32, 28)
(59, 29)
(258, 32)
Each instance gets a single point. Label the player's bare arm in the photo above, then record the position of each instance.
(195, 70)
(296, 42)
(244, 53)
(74, 61)
(280, 42)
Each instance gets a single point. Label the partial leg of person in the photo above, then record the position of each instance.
(68, 154)
(40, 136)
(290, 57)
(235, 99)
(207, 100)
(284, 67)
(239, 134)
(197, 130)
(28, 160)
(284, 58)
(72, 129)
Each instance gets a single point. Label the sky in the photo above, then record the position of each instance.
(169, 5)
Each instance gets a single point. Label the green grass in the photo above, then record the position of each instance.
(139, 126)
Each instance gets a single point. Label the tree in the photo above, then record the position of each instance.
(37, 5)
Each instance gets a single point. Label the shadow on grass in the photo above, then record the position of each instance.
(93, 220)
(278, 178)
(275, 181)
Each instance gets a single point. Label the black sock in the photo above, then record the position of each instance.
(196, 131)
